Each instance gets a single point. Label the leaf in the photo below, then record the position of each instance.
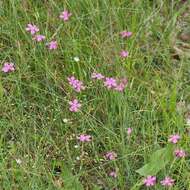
(158, 161)
(173, 99)
(70, 181)
(1, 90)
(96, 188)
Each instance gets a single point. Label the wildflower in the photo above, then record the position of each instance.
(76, 84)
(110, 83)
(97, 76)
(8, 67)
(76, 59)
(71, 80)
(125, 34)
(174, 138)
(84, 138)
(65, 15)
(113, 174)
(129, 131)
(167, 181)
(120, 87)
(180, 153)
(65, 120)
(39, 38)
(74, 105)
(18, 161)
(111, 155)
(32, 28)
(150, 181)
(124, 81)
(124, 54)
(52, 45)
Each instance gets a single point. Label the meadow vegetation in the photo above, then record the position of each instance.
(94, 94)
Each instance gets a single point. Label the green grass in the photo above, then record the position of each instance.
(34, 98)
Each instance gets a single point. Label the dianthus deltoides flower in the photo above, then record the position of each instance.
(129, 131)
(111, 155)
(150, 181)
(76, 84)
(174, 138)
(84, 138)
(39, 38)
(121, 85)
(74, 105)
(110, 82)
(125, 34)
(65, 15)
(124, 54)
(52, 45)
(167, 181)
(180, 153)
(113, 174)
(32, 28)
(97, 76)
(118, 85)
(8, 67)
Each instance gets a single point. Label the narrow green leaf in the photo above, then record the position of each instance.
(1, 90)
(173, 100)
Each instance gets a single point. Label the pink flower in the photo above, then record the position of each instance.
(124, 81)
(110, 83)
(122, 85)
(125, 34)
(84, 138)
(32, 28)
(150, 181)
(113, 174)
(97, 76)
(8, 67)
(180, 153)
(39, 38)
(124, 54)
(65, 15)
(167, 181)
(74, 105)
(111, 155)
(129, 131)
(76, 84)
(52, 45)
(174, 138)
